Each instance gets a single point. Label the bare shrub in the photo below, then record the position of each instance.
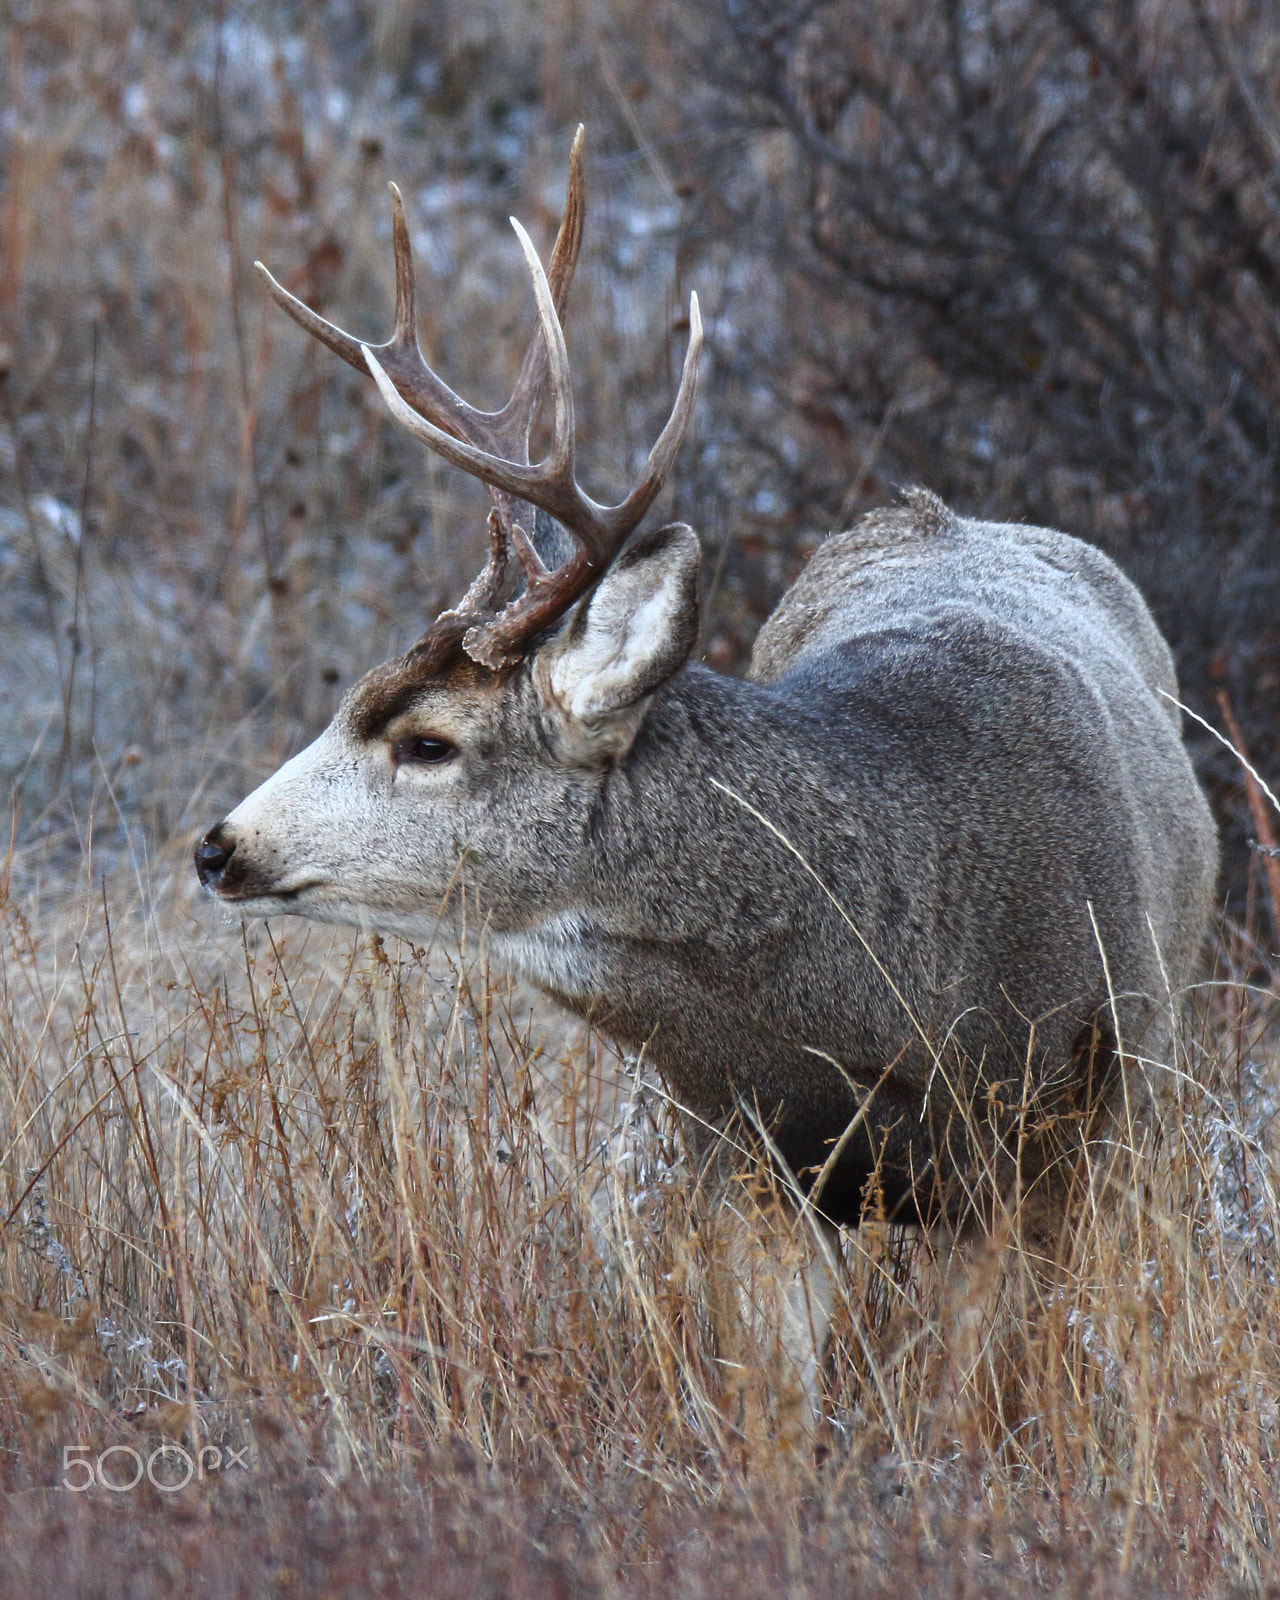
(1023, 251)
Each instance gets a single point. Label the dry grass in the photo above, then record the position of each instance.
(429, 1254)
(386, 1224)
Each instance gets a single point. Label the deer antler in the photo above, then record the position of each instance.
(494, 446)
(504, 431)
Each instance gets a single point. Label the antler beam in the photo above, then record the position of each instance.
(494, 446)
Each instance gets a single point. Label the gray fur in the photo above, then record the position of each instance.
(895, 856)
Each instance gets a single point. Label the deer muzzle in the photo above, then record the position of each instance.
(212, 855)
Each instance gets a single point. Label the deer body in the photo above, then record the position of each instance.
(956, 729)
(931, 862)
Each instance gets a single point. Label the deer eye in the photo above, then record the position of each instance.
(422, 748)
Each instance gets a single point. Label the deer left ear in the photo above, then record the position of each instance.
(631, 633)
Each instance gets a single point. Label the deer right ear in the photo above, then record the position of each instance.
(632, 632)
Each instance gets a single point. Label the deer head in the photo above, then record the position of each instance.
(486, 739)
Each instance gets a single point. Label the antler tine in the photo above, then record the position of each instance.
(493, 445)
(501, 432)
(311, 321)
(601, 531)
(516, 417)
(667, 445)
(400, 355)
(550, 483)
(558, 465)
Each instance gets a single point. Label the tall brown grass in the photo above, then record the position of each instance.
(350, 1204)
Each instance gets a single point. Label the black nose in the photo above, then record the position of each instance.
(212, 854)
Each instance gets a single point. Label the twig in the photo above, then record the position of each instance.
(68, 708)
(1262, 825)
(249, 415)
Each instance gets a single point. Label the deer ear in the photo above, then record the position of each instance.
(631, 633)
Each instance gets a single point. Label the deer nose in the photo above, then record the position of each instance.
(212, 854)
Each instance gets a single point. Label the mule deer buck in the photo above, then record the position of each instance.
(910, 899)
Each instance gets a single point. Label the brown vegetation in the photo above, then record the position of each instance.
(1025, 251)
(427, 1252)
